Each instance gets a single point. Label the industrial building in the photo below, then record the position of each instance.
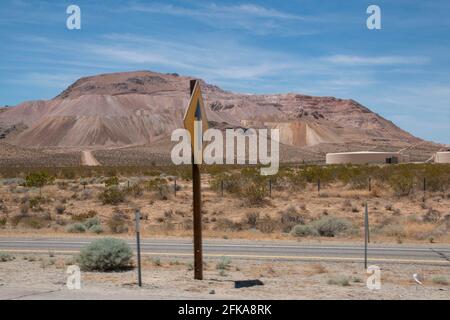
(442, 157)
(366, 157)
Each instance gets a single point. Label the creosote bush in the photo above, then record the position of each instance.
(76, 228)
(325, 227)
(106, 255)
(112, 195)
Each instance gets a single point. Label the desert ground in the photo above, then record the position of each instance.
(252, 207)
(43, 276)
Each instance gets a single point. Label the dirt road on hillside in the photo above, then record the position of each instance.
(88, 159)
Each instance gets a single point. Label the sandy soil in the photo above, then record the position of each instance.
(43, 276)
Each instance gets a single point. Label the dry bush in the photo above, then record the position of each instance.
(60, 208)
(117, 223)
(225, 224)
(266, 224)
(433, 216)
(112, 195)
(290, 218)
(251, 219)
(84, 216)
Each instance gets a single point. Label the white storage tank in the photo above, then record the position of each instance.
(442, 157)
(366, 157)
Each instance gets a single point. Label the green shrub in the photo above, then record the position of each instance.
(3, 221)
(112, 196)
(89, 223)
(340, 281)
(5, 257)
(96, 229)
(223, 264)
(106, 255)
(402, 182)
(440, 280)
(112, 181)
(331, 226)
(304, 231)
(76, 228)
(38, 179)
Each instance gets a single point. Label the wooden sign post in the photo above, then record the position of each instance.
(196, 123)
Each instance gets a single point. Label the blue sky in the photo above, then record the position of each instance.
(313, 47)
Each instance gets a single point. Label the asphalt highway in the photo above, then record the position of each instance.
(243, 249)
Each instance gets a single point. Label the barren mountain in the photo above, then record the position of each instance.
(142, 108)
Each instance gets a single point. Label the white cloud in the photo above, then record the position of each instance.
(376, 60)
(249, 17)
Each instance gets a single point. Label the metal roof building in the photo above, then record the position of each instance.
(366, 157)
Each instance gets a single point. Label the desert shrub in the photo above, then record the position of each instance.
(440, 280)
(226, 224)
(106, 255)
(339, 281)
(289, 218)
(332, 226)
(118, 222)
(96, 229)
(266, 224)
(112, 181)
(433, 216)
(187, 224)
(155, 184)
(251, 218)
(394, 230)
(254, 193)
(34, 222)
(134, 190)
(223, 264)
(60, 208)
(402, 181)
(304, 231)
(112, 195)
(76, 228)
(5, 257)
(3, 221)
(38, 179)
(36, 202)
(89, 223)
(295, 180)
(3, 207)
(84, 216)
(85, 194)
